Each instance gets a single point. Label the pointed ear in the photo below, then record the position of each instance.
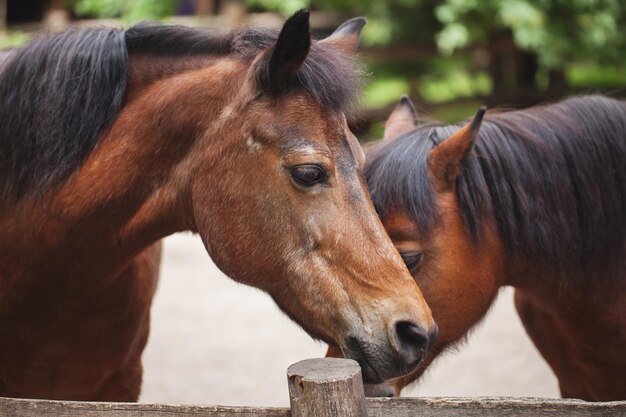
(445, 162)
(347, 36)
(402, 119)
(289, 51)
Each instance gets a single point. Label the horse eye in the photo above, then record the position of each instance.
(411, 259)
(308, 175)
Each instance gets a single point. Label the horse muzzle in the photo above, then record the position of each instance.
(381, 360)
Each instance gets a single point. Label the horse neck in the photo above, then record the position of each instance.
(147, 69)
(134, 188)
(561, 224)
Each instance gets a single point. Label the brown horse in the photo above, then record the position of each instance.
(113, 139)
(534, 199)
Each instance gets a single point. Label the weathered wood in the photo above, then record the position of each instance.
(376, 407)
(328, 387)
(491, 407)
(12, 407)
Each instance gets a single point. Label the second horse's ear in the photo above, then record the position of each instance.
(347, 36)
(401, 120)
(445, 162)
(288, 53)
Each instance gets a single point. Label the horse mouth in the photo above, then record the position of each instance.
(378, 364)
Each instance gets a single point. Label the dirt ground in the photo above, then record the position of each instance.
(214, 341)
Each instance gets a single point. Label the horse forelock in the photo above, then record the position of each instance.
(398, 179)
(551, 179)
(332, 78)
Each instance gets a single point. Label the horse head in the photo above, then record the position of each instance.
(290, 213)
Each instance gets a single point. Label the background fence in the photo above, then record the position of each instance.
(327, 388)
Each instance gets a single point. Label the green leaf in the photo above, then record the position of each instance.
(453, 36)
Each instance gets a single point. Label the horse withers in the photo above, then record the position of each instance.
(112, 140)
(534, 199)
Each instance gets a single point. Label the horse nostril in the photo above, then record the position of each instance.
(414, 340)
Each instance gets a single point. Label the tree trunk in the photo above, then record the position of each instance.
(557, 83)
(527, 65)
(513, 73)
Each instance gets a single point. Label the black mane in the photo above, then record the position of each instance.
(552, 179)
(59, 94)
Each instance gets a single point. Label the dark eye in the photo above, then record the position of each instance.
(411, 259)
(308, 175)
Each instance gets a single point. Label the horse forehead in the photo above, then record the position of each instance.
(306, 124)
(333, 132)
(343, 147)
(348, 154)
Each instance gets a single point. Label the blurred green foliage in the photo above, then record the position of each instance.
(558, 31)
(13, 39)
(128, 10)
(384, 90)
(285, 7)
(593, 75)
(584, 39)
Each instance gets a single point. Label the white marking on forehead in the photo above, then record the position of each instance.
(308, 149)
(228, 111)
(253, 144)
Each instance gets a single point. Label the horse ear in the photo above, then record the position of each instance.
(290, 50)
(402, 119)
(347, 36)
(445, 162)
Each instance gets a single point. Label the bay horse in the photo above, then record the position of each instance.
(113, 139)
(534, 199)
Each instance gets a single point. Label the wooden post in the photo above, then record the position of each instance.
(327, 387)
(232, 12)
(205, 7)
(3, 15)
(57, 19)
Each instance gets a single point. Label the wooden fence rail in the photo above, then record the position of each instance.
(325, 388)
